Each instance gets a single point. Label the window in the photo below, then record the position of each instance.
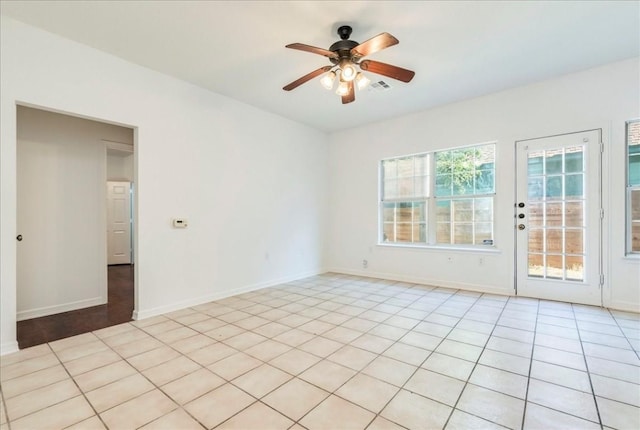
(461, 197)
(405, 192)
(633, 186)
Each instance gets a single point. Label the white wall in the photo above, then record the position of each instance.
(252, 185)
(120, 167)
(604, 97)
(61, 211)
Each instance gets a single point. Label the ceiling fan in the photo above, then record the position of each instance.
(345, 55)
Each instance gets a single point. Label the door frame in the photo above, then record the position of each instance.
(602, 234)
(134, 201)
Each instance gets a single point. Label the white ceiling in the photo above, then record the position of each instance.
(458, 50)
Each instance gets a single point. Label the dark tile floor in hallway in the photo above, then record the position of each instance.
(118, 310)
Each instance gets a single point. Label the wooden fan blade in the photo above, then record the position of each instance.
(350, 96)
(384, 69)
(306, 77)
(312, 49)
(375, 44)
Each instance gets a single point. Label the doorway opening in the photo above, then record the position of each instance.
(64, 284)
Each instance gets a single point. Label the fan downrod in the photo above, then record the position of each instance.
(344, 32)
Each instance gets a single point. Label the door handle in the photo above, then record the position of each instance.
(19, 238)
(521, 227)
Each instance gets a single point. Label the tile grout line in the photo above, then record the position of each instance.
(84, 395)
(533, 347)
(475, 364)
(586, 364)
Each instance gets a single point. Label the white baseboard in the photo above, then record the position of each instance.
(148, 313)
(425, 281)
(8, 347)
(624, 306)
(56, 309)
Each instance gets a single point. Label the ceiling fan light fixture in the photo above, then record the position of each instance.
(348, 70)
(343, 88)
(362, 81)
(328, 79)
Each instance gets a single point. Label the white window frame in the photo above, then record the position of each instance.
(431, 202)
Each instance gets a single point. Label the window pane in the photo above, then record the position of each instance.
(389, 168)
(483, 230)
(635, 220)
(534, 164)
(536, 240)
(443, 185)
(421, 186)
(554, 187)
(421, 165)
(575, 268)
(403, 212)
(388, 211)
(405, 167)
(635, 236)
(443, 210)
(419, 233)
(634, 169)
(536, 265)
(535, 188)
(574, 241)
(483, 209)
(485, 182)
(388, 232)
(405, 187)
(403, 232)
(574, 214)
(404, 221)
(553, 162)
(463, 210)
(555, 268)
(573, 160)
(390, 189)
(574, 186)
(443, 233)
(536, 214)
(554, 240)
(554, 214)
(633, 148)
(463, 233)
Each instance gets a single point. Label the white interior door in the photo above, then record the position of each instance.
(118, 222)
(558, 217)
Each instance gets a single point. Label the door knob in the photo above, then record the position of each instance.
(19, 238)
(520, 216)
(520, 226)
(521, 204)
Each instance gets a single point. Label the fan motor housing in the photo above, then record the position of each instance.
(343, 49)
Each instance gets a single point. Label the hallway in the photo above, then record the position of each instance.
(53, 327)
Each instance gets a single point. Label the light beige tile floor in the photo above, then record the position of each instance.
(338, 352)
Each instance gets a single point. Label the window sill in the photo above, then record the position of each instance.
(484, 249)
(632, 258)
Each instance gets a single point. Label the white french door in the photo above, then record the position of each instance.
(558, 218)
